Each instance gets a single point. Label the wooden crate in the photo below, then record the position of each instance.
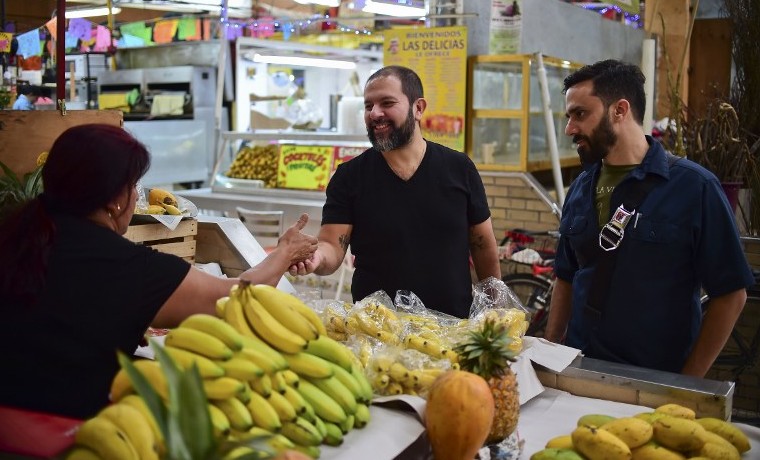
(181, 241)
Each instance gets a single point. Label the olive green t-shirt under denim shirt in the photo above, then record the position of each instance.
(609, 178)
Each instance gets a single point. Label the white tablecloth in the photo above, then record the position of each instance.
(554, 413)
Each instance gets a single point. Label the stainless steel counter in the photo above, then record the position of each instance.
(636, 385)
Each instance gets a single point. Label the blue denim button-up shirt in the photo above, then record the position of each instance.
(682, 238)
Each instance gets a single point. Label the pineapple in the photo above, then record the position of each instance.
(486, 352)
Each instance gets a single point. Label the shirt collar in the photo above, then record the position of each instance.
(655, 161)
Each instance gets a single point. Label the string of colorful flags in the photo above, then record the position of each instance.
(85, 36)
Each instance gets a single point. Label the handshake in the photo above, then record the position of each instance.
(299, 247)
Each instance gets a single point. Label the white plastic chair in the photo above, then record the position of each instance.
(346, 268)
(265, 226)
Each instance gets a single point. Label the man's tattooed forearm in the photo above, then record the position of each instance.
(344, 241)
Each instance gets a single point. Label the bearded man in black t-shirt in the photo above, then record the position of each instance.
(414, 212)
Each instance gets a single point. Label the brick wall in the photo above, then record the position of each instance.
(517, 200)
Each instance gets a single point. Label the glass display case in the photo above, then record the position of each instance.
(506, 130)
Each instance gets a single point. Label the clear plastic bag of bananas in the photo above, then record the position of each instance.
(416, 339)
(394, 370)
(494, 300)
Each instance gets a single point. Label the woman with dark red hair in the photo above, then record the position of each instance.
(73, 290)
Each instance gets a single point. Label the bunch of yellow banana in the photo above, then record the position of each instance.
(334, 320)
(402, 374)
(432, 346)
(313, 380)
(670, 432)
(162, 199)
(511, 319)
(375, 320)
(125, 430)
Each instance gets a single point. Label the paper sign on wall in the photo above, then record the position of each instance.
(5, 42)
(304, 167)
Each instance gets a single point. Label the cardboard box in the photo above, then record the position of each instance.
(304, 167)
(261, 121)
(180, 241)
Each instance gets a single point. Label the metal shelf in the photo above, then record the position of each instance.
(313, 137)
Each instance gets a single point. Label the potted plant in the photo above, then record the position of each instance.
(15, 190)
(714, 141)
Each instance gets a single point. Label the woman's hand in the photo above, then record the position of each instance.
(298, 246)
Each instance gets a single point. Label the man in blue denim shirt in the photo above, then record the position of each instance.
(681, 239)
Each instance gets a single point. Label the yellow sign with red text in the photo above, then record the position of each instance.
(439, 56)
(305, 167)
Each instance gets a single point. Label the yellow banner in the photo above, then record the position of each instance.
(439, 56)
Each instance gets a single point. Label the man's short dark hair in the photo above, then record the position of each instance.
(411, 85)
(613, 80)
(30, 90)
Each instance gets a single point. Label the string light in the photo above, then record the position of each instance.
(630, 19)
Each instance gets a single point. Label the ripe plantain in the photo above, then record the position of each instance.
(597, 444)
(727, 431)
(631, 430)
(159, 196)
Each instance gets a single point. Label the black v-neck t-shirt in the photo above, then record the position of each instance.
(410, 235)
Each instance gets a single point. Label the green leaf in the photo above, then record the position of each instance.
(10, 174)
(33, 182)
(194, 418)
(176, 444)
(475, 353)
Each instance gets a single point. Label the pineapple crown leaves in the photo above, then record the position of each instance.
(486, 352)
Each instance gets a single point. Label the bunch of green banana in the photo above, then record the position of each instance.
(670, 432)
(119, 431)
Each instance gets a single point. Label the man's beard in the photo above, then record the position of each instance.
(598, 144)
(398, 136)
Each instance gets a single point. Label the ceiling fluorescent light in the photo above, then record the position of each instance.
(89, 12)
(390, 9)
(304, 61)
(330, 3)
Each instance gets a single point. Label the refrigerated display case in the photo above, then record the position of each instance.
(506, 130)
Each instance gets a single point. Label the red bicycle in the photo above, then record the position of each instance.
(534, 287)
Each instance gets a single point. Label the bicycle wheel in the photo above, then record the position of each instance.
(535, 295)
